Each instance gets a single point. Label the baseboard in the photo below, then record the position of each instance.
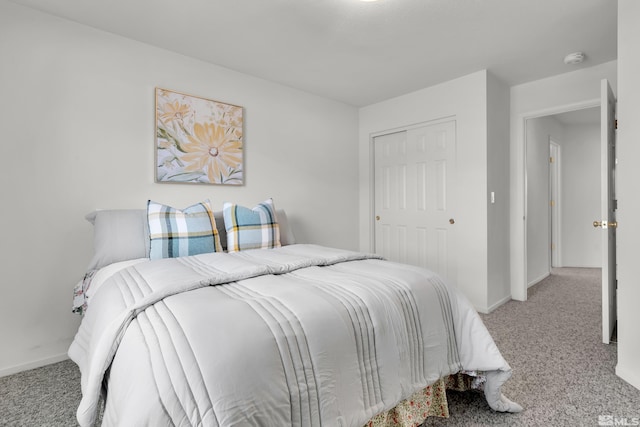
(32, 365)
(499, 303)
(578, 266)
(538, 280)
(630, 377)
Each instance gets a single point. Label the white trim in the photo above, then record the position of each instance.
(499, 303)
(538, 280)
(556, 209)
(629, 375)
(372, 193)
(595, 102)
(412, 126)
(519, 283)
(33, 364)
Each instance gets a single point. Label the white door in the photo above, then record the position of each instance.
(608, 207)
(415, 197)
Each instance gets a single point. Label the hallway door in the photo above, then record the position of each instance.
(608, 210)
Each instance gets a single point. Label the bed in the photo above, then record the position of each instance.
(262, 331)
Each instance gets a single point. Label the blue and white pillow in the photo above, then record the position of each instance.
(255, 228)
(175, 233)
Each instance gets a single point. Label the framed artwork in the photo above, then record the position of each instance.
(198, 140)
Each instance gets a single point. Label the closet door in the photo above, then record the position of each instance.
(415, 197)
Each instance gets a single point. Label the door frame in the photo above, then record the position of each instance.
(372, 168)
(555, 186)
(519, 204)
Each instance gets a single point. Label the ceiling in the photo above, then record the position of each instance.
(359, 52)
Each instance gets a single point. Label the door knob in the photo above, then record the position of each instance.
(452, 221)
(377, 217)
(597, 224)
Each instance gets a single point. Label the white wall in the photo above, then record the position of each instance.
(628, 174)
(572, 90)
(77, 122)
(581, 243)
(538, 132)
(466, 100)
(499, 287)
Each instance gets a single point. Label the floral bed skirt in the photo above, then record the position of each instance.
(428, 402)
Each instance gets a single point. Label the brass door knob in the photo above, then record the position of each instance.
(613, 224)
(377, 217)
(452, 221)
(597, 224)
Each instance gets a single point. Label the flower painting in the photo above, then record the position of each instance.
(197, 140)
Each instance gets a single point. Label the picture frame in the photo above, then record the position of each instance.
(198, 140)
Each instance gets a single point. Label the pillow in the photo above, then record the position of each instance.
(175, 233)
(118, 235)
(123, 234)
(255, 228)
(286, 234)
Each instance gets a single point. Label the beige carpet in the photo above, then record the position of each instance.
(563, 374)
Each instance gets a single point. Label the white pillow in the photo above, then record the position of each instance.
(118, 235)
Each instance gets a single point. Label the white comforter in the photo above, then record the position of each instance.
(301, 335)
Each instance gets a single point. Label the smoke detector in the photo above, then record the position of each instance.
(574, 58)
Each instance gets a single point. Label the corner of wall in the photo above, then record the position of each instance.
(498, 192)
(628, 367)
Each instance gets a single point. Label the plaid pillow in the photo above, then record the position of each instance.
(255, 228)
(175, 233)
